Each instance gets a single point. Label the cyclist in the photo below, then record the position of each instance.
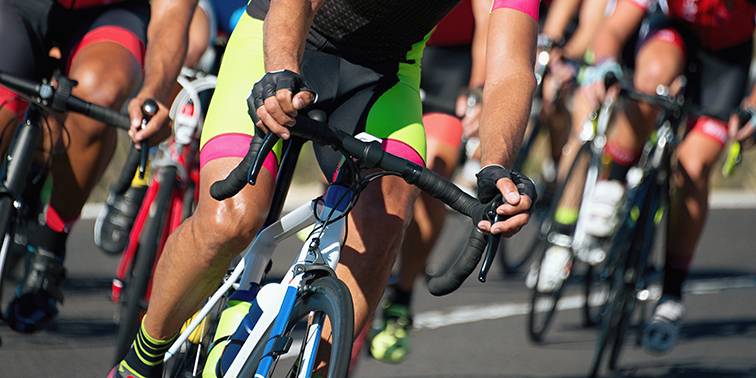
(454, 59)
(113, 225)
(711, 43)
(563, 114)
(103, 48)
(362, 58)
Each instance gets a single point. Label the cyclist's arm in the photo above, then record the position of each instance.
(167, 34)
(610, 38)
(741, 133)
(616, 29)
(559, 16)
(591, 15)
(507, 98)
(286, 26)
(471, 117)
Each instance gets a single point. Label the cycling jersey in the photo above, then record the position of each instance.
(456, 28)
(376, 32)
(717, 24)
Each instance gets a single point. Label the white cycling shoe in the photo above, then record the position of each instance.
(663, 330)
(601, 217)
(556, 267)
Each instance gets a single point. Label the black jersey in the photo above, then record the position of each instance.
(370, 31)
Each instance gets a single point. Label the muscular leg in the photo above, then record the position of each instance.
(689, 206)
(107, 74)
(199, 252)
(658, 62)
(428, 218)
(377, 226)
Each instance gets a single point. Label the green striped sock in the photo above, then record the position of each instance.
(145, 359)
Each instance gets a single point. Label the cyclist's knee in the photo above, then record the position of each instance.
(106, 82)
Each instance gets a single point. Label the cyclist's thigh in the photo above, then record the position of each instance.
(389, 108)
(122, 25)
(660, 59)
(228, 129)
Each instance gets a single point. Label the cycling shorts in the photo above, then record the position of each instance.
(717, 80)
(31, 28)
(354, 98)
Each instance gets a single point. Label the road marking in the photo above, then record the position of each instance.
(470, 314)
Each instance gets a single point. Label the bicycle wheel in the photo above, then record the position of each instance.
(134, 304)
(325, 296)
(611, 321)
(542, 305)
(596, 285)
(15, 169)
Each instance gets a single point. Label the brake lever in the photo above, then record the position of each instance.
(149, 109)
(493, 241)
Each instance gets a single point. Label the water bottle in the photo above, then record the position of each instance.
(235, 324)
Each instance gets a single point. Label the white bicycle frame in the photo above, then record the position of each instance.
(251, 270)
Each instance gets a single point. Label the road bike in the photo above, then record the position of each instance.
(171, 193)
(585, 170)
(310, 291)
(631, 268)
(19, 191)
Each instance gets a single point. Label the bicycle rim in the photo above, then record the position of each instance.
(596, 290)
(543, 305)
(325, 295)
(135, 304)
(625, 318)
(608, 328)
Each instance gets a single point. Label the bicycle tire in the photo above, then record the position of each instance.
(542, 306)
(609, 322)
(327, 295)
(134, 304)
(14, 175)
(596, 290)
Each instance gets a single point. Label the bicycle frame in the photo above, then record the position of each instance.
(320, 252)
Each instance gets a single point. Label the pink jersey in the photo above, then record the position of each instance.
(529, 7)
(717, 24)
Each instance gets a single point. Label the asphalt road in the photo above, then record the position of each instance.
(478, 331)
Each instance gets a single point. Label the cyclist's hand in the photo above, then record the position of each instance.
(157, 129)
(276, 98)
(742, 125)
(468, 107)
(519, 195)
(592, 89)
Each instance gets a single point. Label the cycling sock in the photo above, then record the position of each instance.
(621, 161)
(50, 240)
(673, 281)
(565, 220)
(402, 297)
(145, 357)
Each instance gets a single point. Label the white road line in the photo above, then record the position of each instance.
(470, 314)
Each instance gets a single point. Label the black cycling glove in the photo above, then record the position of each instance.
(487, 189)
(271, 83)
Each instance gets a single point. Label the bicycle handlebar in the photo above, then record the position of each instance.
(61, 99)
(44, 93)
(372, 155)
